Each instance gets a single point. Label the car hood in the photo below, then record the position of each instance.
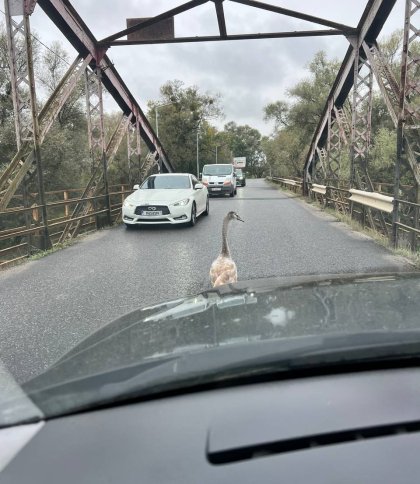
(230, 325)
(158, 195)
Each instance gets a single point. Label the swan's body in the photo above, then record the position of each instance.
(223, 270)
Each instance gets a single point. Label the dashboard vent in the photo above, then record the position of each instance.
(228, 456)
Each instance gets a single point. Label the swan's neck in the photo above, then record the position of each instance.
(225, 247)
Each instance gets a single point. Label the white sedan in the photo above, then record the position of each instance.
(169, 198)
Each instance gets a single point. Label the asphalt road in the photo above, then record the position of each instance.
(48, 305)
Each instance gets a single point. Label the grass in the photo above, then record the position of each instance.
(62, 245)
(412, 257)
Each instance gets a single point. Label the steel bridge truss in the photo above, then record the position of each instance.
(32, 126)
(363, 62)
(345, 124)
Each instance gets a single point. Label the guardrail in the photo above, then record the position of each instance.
(294, 185)
(21, 230)
(395, 218)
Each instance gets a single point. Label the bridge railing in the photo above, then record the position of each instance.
(292, 184)
(397, 219)
(21, 231)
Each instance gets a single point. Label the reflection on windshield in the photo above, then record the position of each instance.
(162, 181)
(217, 170)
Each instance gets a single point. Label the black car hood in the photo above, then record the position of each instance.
(230, 325)
(263, 309)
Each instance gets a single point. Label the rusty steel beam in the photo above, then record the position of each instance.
(299, 15)
(65, 17)
(220, 17)
(368, 29)
(23, 162)
(215, 38)
(153, 20)
(409, 111)
(93, 187)
(133, 151)
(361, 120)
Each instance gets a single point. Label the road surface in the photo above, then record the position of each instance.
(48, 305)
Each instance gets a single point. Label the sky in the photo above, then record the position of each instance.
(248, 74)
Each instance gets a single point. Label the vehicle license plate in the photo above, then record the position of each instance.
(216, 189)
(148, 212)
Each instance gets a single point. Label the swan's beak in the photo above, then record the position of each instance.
(239, 218)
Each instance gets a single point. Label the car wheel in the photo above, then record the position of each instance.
(207, 210)
(232, 193)
(193, 220)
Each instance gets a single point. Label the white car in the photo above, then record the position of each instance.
(169, 198)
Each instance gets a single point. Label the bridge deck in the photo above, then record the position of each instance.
(48, 305)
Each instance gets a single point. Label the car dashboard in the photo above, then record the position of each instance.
(341, 428)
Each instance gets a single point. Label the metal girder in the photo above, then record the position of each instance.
(220, 17)
(148, 164)
(299, 15)
(385, 79)
(216, 38)
(368, 29)
(95, 115)
(338, 29)
(133, 151)
(333, 146)
(147, 23)
(321, 172)
(65, 17)
(94, 185)
(361, 118)
(343, 124)
(27, 128)
(23, 162)
(409, 109)
(19, 77)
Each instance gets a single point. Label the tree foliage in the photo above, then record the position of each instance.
(295, 121)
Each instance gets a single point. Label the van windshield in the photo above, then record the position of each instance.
(217, 170)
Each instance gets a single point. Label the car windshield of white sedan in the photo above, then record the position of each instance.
(169, 181)
(217, 170)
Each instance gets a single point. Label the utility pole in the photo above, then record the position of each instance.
(216, 154)
(198, 166)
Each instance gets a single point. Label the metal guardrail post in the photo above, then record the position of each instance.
(395, 220)
(414, 235)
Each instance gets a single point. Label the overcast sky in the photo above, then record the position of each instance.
(248, 74)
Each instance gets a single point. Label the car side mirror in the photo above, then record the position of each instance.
(136, 187)
(201, 175)
(199, 186)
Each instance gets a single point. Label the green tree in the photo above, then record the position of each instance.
(295, 121)
(182, 113)
(246, 141)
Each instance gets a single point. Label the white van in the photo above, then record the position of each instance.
(219, 179)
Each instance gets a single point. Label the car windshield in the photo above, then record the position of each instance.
(217, 170)
(166, 182)
(173, 216)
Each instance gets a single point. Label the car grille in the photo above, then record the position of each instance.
(161, 208)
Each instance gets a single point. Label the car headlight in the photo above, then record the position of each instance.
(128, 204)
(182, 203)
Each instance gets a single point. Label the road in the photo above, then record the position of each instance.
(48, 305)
